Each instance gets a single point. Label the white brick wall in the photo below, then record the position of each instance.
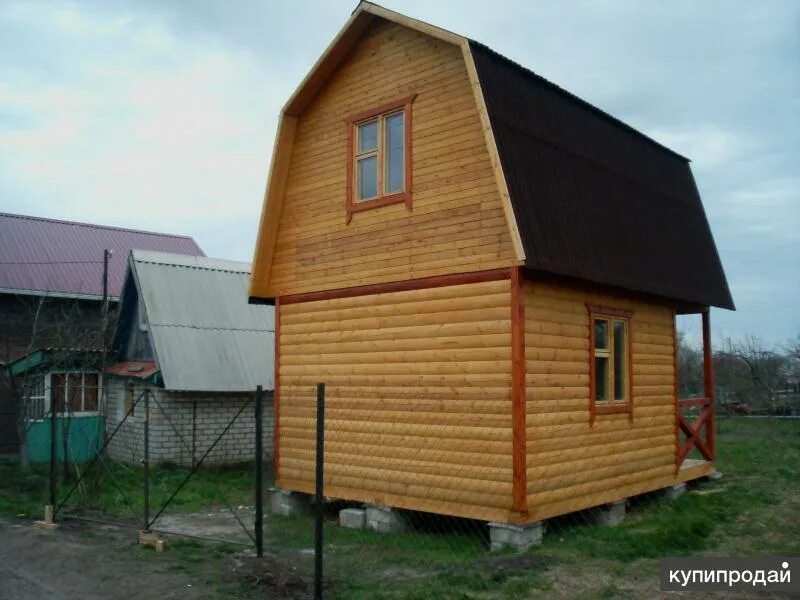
(172, 412)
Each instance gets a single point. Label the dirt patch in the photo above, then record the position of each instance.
(77, 562)
(273, 579)
(92, 561)
(215, 524)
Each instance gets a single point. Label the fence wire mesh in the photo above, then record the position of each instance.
(415, 512)
(426, 511)
(173, 464)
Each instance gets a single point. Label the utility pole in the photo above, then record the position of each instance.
(106, 255)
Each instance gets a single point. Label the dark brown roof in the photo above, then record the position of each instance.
(595, 199)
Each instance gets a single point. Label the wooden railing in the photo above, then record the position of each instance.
(699, 433)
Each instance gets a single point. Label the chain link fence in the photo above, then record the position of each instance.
(389, 513)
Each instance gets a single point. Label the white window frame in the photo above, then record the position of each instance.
(45, 402)
(81, 413)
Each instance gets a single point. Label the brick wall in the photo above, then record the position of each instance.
(173, 411)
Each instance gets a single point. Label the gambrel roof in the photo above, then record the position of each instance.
(585, 196)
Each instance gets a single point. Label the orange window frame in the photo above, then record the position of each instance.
(352, 205)
(610, 406)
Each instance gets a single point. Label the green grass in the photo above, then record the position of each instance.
(116, 492)
(751, 511)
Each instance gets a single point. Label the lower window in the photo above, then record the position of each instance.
(611, 388)
(74, 392)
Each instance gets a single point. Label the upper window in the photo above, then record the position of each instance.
(379, 157)
(610, 385)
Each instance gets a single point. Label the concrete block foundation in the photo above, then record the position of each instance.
(610, 515)
(517, 537)
(288, 504)
(353, 518)
(384, 519)
(675, 491)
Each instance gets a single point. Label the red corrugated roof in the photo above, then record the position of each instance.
(63, 257)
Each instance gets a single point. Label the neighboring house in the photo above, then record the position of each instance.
(485, 271)
(186, 332)
(52, 317)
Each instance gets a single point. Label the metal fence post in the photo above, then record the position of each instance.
(53, 458)
(259, 522)
(194, 431)
(318, 491)
(146, 460)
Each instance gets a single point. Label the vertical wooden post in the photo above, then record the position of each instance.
(259, 520)
(518, 396)
(53, 452)
(276, 402)
(146, 524)
(708, 383)
(676, 389)
(318, 491)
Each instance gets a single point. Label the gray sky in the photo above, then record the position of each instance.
(161, 115)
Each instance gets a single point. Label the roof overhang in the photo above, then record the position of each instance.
(146, 370)
(51, 294)
(49, 358)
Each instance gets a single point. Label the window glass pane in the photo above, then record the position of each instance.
(601, 333)
(620, 360)
(57, 387)
(74, 391)
(90, 391)
(394, 152)
(601, 378)
(367, 136)
(367, 177)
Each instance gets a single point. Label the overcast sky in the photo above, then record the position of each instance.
(161, 115)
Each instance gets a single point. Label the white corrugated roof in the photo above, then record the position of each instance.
(206, 337)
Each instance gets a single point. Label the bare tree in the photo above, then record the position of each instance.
(69, 330)
(690, 368)
(752, 371)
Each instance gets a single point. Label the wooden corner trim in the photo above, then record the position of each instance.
(398, 286)
(276, 450)
(494, 154)
(351, 206)
(272, 204)
(518, 394)
(676, 389)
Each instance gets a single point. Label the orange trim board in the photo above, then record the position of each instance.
(399, 286)
(277, 393)
(518, 395)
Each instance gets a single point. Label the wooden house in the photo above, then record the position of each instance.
(485, 271)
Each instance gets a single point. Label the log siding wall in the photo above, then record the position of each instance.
(418, 410)
(573, 464)
(457, 222)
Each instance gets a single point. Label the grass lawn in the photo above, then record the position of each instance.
(114, 491)
(753, 510)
